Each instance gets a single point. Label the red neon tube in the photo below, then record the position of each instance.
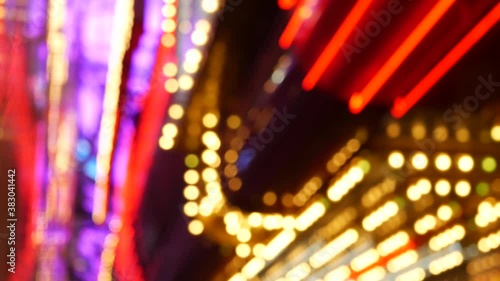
(359, 100)
(301, 13)
(333, 47)
(403, 104)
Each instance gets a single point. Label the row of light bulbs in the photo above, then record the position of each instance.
(442, 187)
(489, 243)
(170, 68)
(423, 186)
(447, 237)
(442, 161)
(182, 79)
(446, 262)
(440, 133)
(381, 215)
(377, 192)
(348, 180)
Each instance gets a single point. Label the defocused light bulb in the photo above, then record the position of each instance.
(419, 161)
(465, 163)
(443, 162)
(443, 187)
(462, 188)
(195, 227)
(495, 133)
(396, 160)
(176, 111)
(243, 250)
(445, 213)
(210, 6)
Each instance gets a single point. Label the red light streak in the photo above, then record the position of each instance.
(359, 100)
(333, 47)
(301, 13)
(403, 104)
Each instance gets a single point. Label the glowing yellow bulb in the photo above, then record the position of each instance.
(191, 67)
(481, 221)
(209, 174)
(424, 186)
(168, 40)
(169, 130)
(170, 69)
(485, 208)
(244, 235)
(257, 249)
(445, 213)
(483, 245)
(429, 222)
(462, 188)
(443, 162)
(355, 174)
(232, 218)
(419, 161)
(166, 143)
(171, 85)
(213, 187)
(255, 219)
(465, 163)
(271, 222)
(396, 160)
(495, 133)
(168, 25)
(191, 192)
(186, 82)
(243, 250)
(193, 56)
(195, 227)
(211, 140)
(191, 176)
(191, 209)
(199, 37)
(443, 187)
(413, 193)
(168, 11)
(210, 120)
(210, 6)
(210, 158)
(203, 25)
(176, 111)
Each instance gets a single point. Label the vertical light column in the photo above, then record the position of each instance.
(120, 40)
